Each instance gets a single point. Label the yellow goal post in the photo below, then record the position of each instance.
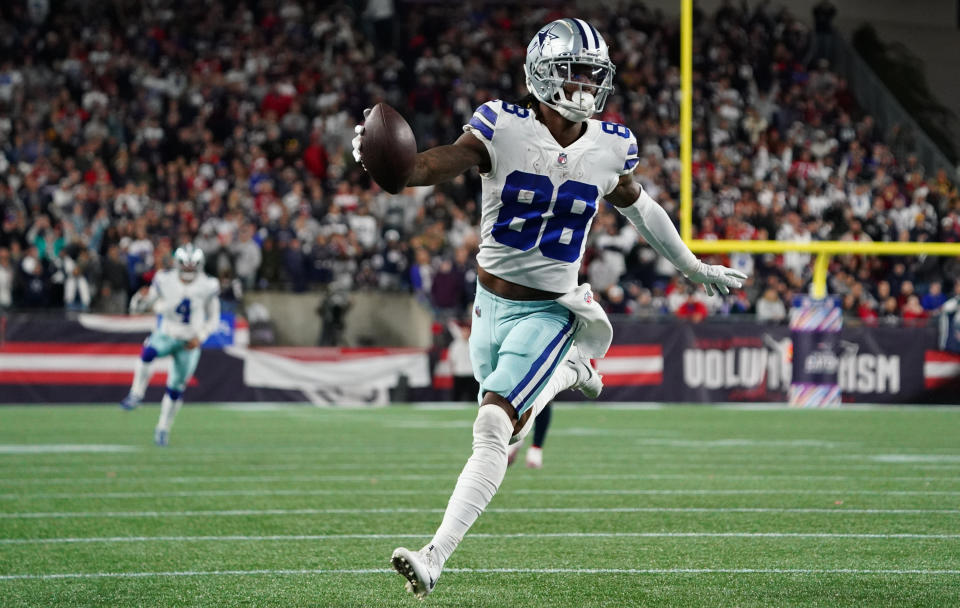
(822, 249)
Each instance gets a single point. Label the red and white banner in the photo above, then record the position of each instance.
(74, 363)
(632, 365)
(940, 368)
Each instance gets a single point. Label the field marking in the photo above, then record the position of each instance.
(386, 477)
(657, 405)
(204, 464)
(362, 571)
(64, 448)
(528, 491)
(452, 469)
(912, 458)
(535, 535)
(390, 511)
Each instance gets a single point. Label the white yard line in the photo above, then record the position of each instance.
(305, 467)
(386, 476)
(378, 472)
(65, 448)
(534, 535)
(530, 491)
(518, 510)
(364, 571)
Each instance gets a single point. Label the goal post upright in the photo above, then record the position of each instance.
(686, 119)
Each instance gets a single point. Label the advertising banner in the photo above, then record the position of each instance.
(751, 362)
(815, 332)
(90, 359)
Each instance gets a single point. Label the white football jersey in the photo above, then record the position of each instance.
(539, 198)
(187, 310)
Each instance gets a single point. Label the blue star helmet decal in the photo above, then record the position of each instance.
(546, 34)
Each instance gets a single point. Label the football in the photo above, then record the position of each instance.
(389, 148)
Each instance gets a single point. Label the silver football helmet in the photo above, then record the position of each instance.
(189, 261)
(570, 51)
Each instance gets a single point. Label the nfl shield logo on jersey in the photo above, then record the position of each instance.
(476, 311)
(588, 297)
(562, 159)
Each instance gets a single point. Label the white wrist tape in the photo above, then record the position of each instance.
(654, 225)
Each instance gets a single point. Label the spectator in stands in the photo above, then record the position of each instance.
(934, 299)
(616, 301)
(867, 311)
(913, 313)
(7, 273)
(247, 257)
(770, 308)
(36, 287)
(692, 309)
(446, 290)
(75, 283)
(889, 313)
(113, 289)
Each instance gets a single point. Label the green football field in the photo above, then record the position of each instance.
(298, 506)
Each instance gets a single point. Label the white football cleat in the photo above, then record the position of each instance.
(589, 381)
(534, 458)
(130, 402)
(419, 568)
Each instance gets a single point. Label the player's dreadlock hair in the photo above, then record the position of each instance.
(530, 102)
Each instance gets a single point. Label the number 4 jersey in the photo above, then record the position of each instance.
(539, 198)
(188, 310)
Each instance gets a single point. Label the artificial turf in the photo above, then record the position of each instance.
(298, 506)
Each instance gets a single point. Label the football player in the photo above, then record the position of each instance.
(188, 303)
(544, 170)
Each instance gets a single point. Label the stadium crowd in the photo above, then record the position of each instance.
(144, 125)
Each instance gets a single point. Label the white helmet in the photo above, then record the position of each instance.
(570, 51)
(188, 260)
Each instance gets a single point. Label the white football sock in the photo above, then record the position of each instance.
(478, 481)
(168, 410)
(141, 376)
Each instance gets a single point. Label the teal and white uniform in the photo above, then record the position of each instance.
(538, 202)
(187, 311)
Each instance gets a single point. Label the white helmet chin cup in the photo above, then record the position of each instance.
(581, 107)
(557, 52)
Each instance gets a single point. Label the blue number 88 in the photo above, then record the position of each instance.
(565, 230)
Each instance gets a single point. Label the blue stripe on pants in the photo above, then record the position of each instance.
(540, 361)
(528, 400)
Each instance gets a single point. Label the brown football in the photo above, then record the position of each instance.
(389, 148)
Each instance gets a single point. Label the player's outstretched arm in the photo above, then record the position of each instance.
(653, 223)
(443, 163)
(439, 164)
(145, 299)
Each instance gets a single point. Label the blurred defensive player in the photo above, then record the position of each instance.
(544, 169)
(188, 303)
